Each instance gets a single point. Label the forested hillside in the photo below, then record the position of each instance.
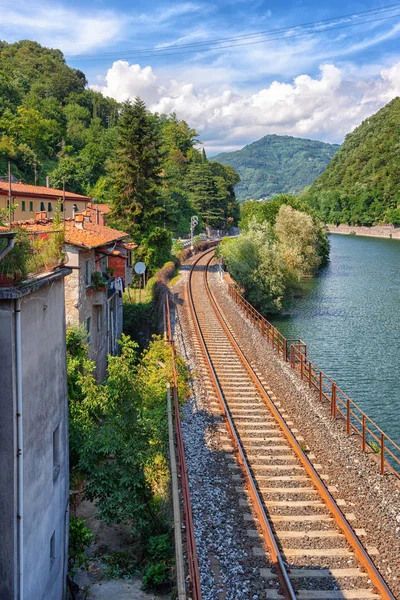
(361, 185)
(277, 164)
(51, 123)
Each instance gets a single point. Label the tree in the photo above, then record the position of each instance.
(137, 204)
(297, 241)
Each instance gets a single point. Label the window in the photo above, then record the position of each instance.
(56, 452)
(88, 328)
(129, 263)
(62, 207)
(87, 272)
(31, 206)
(23, 205)
(49, 207)
(42, 208)
(52, 549)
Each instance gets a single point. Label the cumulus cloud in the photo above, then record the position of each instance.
(124, 81)
(323, 107)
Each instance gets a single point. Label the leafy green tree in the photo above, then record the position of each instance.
(361, 185)
(137, 205)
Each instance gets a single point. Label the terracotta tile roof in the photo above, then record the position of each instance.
(40, 191)
(91, 236)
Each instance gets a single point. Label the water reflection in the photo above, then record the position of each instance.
(350, 319)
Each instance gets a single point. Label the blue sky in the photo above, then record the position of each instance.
(320, 85)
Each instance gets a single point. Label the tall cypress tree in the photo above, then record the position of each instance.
(137, 205)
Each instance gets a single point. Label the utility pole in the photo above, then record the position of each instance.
(34, 168)
(9, 193)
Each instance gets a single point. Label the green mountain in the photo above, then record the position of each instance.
(361, 185)
(277, 164)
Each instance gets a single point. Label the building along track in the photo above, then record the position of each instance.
(311, 547)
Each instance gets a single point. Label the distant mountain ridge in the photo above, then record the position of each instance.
(277, 164)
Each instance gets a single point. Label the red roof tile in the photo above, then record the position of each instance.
(91, 236)
(40, 191)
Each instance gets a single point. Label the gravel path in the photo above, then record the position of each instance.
(372, 501)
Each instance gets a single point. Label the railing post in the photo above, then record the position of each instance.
(263, 327)
(285, 349)
(309, 375)
(382, 454)
(364, 433)
(348, 416)
(301, 366)
(320, 386)
(333, 401)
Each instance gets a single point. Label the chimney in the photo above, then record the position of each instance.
(41, 216)
(79, 218)
(87, 214)
(47, 181)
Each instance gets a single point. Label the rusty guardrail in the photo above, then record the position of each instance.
(193, 567)
(341, 406)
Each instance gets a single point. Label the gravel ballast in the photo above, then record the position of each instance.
(372, 499)
(229, 567)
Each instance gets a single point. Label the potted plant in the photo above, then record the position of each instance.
(14, 266)
(98, 287)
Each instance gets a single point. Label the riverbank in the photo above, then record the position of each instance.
(379, 231)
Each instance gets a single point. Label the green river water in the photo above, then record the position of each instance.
(349, 318)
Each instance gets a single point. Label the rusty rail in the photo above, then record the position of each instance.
(341, 406)
(323, 491)
(265, 525)
(193, 566)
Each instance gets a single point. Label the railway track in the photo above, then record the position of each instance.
(312, 549)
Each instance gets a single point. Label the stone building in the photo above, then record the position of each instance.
(95, 304)
(34, 470)
(31, 199)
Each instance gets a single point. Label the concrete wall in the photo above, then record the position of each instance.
(45, 470)
(380, 231)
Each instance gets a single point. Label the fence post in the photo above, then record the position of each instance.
(348, 417)
(285, 349)
(320, 386)
(333, 401)
(262, 327)
(382, 454)
(364, 433)
(301, 366)
(309, 374)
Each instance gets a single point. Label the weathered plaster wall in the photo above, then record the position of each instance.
(45, 407)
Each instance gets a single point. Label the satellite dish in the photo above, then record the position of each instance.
(140, 268)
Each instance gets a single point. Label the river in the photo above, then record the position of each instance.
(349, 317)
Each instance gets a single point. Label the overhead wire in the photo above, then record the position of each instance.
(293, 31)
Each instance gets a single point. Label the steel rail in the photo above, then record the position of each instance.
(340, 519)
(258, 505)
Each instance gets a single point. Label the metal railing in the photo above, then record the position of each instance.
(341, 406)
(193, 567)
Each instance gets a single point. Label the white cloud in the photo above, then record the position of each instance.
(57, 26)
(124, 81)
(324, 107)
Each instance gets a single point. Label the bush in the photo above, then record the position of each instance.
(15, 264)
(80, 537)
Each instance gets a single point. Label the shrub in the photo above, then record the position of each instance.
(15, 264)
(80, 537)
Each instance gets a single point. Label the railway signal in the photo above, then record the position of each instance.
(194, 221)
